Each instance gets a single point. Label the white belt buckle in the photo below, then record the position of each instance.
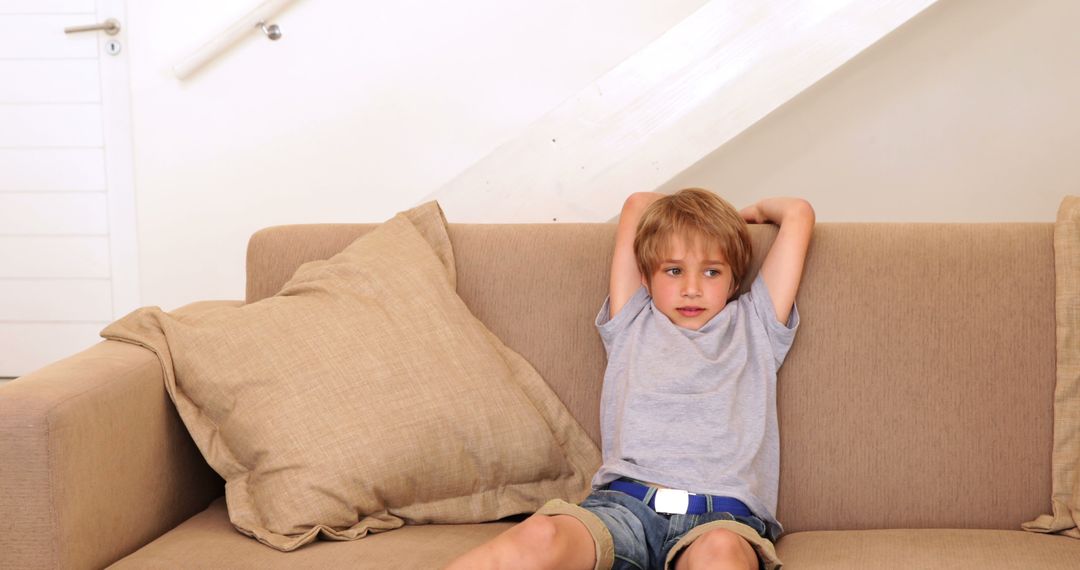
(672, 501)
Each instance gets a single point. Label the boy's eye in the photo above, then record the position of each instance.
(673, 271)
(712, 273)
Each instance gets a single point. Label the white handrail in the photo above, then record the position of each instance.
(211, 49)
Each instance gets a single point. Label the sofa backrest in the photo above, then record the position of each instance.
(918, 392)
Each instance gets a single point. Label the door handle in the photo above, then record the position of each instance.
(110, 26)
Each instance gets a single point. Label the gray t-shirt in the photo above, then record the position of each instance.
(696, 410)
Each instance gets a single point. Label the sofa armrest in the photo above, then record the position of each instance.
(94, 460)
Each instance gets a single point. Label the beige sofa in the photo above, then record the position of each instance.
(916, 407)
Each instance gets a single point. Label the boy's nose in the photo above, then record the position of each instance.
(692, 288)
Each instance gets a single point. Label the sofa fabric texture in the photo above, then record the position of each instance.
(365, 396)
(1065, 500)
(918, 393)
(87, 439)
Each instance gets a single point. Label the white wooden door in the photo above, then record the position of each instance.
(68, 258)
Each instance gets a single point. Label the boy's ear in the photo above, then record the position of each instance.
(645, 282)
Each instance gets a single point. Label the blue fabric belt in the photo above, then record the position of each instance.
(698, 504)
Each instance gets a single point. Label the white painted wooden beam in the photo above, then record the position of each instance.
(706, 80)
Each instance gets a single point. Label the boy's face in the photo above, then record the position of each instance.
(691, 284)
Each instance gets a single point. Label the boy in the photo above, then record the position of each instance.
(688, 410)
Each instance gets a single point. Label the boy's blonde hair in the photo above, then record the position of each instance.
(693, 214)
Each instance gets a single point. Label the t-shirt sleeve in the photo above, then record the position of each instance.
(610, 328)
(780, 335)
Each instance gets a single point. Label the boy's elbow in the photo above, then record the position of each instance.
(805, 211)
(638, 201)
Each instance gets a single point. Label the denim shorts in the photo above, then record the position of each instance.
(642, 539)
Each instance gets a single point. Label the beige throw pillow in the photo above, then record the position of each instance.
(1065, 501)
(364, 396)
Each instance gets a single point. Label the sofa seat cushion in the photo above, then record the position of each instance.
(941, 549)
(208, 540)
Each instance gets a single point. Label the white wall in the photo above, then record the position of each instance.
(360, 110)
(967, 113)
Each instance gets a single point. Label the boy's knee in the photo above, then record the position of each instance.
(537, 532)
(555, 542)
(529, 544)
(720, 545)
(540, 542)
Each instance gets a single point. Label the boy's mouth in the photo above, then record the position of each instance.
(690, 311)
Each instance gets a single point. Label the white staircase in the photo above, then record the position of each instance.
(709, 78)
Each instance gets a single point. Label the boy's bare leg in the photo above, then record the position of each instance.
(540, 542)
(718, 550)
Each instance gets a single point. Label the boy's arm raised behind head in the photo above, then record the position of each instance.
(625, 276)
(783, 266)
